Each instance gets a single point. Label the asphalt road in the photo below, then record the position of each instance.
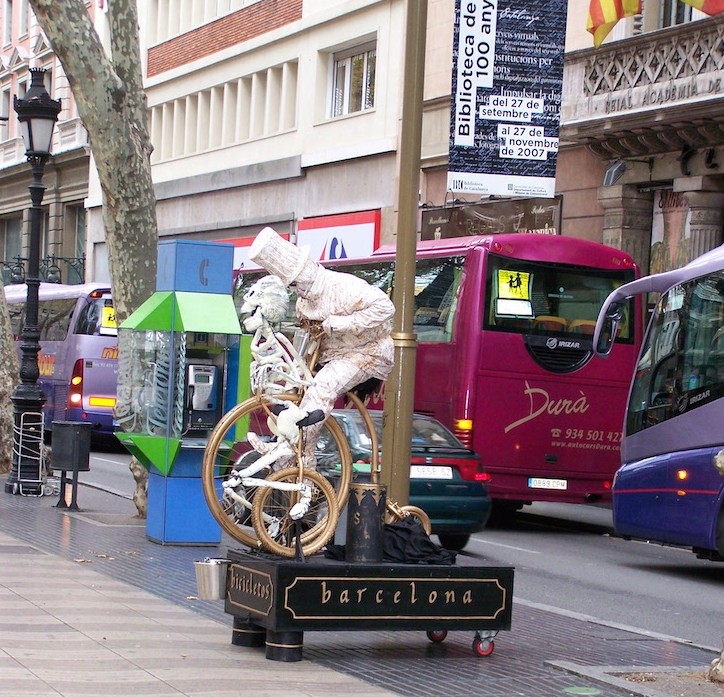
(569, 558)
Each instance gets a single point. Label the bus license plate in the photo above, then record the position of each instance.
(430, 472)
(541, 483)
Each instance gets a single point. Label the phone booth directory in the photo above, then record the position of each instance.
(183, 370)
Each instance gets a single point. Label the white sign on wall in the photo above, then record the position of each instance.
(346, 236)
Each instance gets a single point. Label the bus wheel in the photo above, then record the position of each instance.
(503, 513)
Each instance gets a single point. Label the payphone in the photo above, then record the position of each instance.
(202, 396)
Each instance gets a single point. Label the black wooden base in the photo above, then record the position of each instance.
(279, 599)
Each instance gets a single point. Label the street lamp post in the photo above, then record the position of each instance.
(37, 114)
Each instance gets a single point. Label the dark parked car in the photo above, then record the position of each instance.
(446, 479)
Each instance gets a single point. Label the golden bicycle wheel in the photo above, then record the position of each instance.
(396, 513)
(227, 450)
(275, 529)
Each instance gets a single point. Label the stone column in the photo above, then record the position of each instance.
(627, 219)
(706, 213)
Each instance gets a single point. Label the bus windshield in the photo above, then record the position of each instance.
(544, 298)
(682, 360)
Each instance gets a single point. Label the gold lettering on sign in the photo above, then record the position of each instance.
(541, 403)
(345, 596)
(244, 581)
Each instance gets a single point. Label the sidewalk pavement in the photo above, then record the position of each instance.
(89, 606)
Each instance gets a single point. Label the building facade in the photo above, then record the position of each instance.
(289, 113)
(63, 243)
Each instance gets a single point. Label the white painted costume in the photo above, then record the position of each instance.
(355, 317)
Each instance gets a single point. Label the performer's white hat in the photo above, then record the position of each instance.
(278, 256)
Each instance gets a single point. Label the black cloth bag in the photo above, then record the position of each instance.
(406, 542)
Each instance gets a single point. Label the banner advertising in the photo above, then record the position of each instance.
(506, 97)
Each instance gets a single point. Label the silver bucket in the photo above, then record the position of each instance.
(211, 578)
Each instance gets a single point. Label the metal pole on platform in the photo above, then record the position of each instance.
(399, 389)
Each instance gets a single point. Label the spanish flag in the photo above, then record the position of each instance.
(709, 7)
(604, 14)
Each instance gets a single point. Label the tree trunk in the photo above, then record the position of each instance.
(112, 106)
(9, 370)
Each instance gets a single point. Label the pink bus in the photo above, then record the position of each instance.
(504, 325)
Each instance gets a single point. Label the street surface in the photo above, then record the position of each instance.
(567, 557)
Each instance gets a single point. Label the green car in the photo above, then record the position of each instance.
(446, 479)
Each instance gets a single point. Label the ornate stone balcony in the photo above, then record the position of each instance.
(657, 92)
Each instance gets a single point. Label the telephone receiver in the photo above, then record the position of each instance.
(202, 272)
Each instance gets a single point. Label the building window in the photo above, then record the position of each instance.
(353, 80)
(8, 22)
(674, 12)
(11, 249)
(23, 18)
(80, 227)
(5, 105)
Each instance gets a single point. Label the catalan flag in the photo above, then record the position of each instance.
(709, 7)
(604, 14)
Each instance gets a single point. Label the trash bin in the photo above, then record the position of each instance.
(71, 446)
(211, 578)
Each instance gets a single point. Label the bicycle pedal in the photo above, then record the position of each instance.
(314, 417)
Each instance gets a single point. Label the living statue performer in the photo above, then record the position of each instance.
(355, 342)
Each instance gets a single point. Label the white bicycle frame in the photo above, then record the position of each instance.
(277, 368)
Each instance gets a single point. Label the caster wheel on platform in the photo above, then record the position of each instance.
(483, 647)
(437, 636)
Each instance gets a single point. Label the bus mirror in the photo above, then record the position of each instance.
(609, 325)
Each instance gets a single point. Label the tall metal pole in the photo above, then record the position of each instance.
(28, 398)
(399, 389)
(37, 115)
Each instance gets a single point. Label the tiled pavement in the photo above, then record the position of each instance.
(89, 606)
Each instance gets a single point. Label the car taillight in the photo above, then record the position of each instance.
(481, 475)
(463, 429)
(75, 393)
(472, 470)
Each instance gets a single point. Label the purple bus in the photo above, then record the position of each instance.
(670, 486)
(78, 359)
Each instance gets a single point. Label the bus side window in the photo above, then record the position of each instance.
(436, 301)
(54, 319)
(17, 318)
(89, 321)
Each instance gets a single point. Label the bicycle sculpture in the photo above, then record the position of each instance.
(260, 466)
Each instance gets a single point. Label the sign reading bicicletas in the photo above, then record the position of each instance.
(506, 97)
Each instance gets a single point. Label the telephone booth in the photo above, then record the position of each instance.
(183, 370)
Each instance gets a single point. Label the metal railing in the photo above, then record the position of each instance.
(53, 269)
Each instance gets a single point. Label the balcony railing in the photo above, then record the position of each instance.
(53, 269)
(656, 92)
